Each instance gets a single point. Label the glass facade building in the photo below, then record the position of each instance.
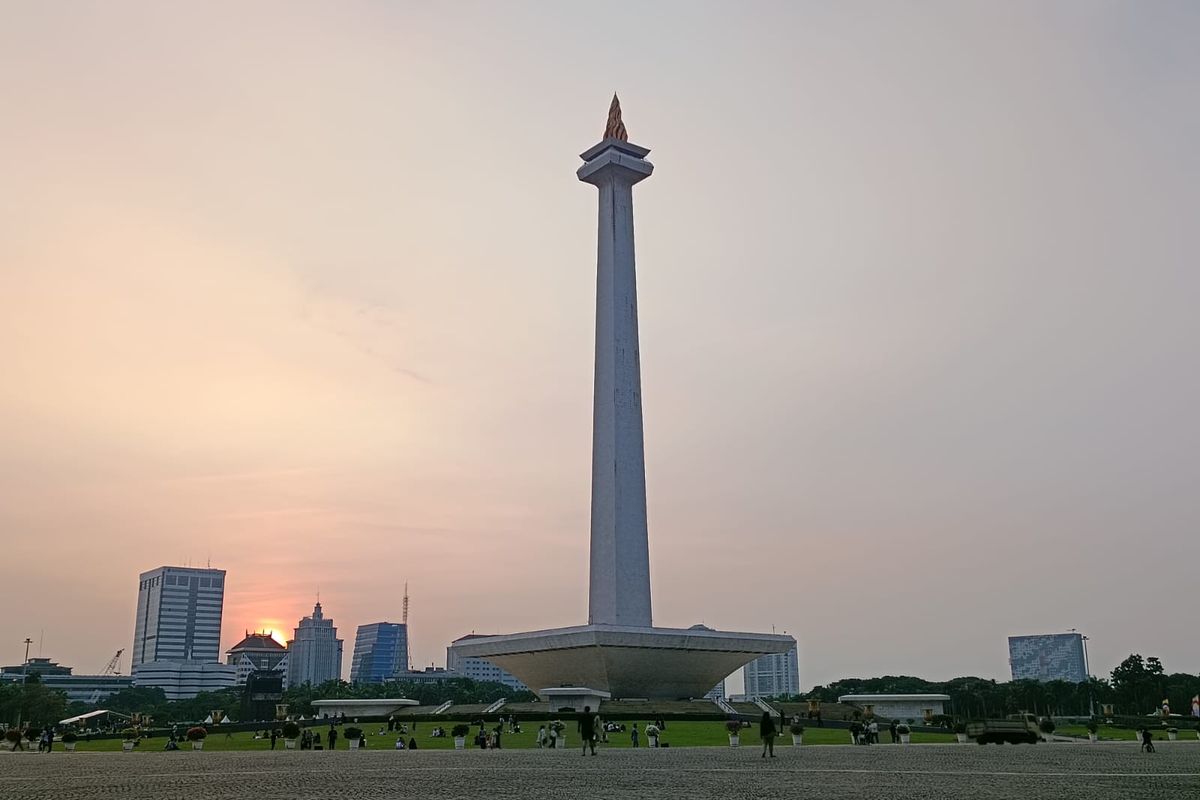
(380, 652)
(1047, 657)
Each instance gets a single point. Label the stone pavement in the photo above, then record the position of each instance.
(933, 772)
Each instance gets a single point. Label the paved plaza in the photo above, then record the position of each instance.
(1096, 772)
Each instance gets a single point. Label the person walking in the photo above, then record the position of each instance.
(633, 735)
(541, 737)
(767, 732)
(274, 736)
(587, 730)
(332, 737)
(892, 730)
(1147, 741)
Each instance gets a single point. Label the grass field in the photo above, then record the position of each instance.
(1111, 734)
(677, 734)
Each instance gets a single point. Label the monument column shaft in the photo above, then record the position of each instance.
(620, 558)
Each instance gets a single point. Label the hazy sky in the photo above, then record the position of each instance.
(308, 289)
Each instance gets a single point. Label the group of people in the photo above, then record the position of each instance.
(868, 732)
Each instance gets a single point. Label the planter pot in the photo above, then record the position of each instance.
(289, 744)
(734, 740)
(69, 746)
(1198, 734)
(460, 742)
(1172, 736)
(198, 744)
(561, 743)
(653, 741)
(797, 739)
(905, 738)
(126, 746)
(354, 744)
(1093, 738)
(962, 738)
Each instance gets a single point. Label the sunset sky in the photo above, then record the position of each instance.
(307, 290)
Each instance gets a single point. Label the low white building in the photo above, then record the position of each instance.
(183, 680)
(916, 707)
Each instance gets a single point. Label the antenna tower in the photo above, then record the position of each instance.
(404, 612)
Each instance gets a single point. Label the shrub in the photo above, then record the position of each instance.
(196, 734)
(960, 727)
(734, 727)
(352, 733)
(69, 738)
(796, 728)
(1092, 727)
(129, 734)
(291, 730)
(32, 733)
(1046, 725)
(460, 730)
(903, 729)
(12, 735)
(652, 730)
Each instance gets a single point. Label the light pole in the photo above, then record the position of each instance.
(24, 671)
(1088, 673)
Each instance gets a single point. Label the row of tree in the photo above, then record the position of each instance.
(1137, 686)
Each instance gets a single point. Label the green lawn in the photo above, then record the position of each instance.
(677, 734)
(1107, 733)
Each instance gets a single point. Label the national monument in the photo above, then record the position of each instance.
(619, 653)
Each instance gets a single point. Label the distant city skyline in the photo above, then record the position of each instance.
(308, 296)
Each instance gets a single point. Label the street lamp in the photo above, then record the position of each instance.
(1088, 672)
(24, 671)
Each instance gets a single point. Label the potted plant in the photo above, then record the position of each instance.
(459, 732)
(31, 735)
(905, 733)
(69, 739)
(291, 732)
(797, 731)
(1172, 734)
(1093, 731)
(196, 736)
(1046, 726)
(352, 735)
(560, 733)
(652, 733)
(12, 737)
(960, 732)
(735, 729)
(129, 737)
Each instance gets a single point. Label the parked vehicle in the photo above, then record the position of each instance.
(1016, 729)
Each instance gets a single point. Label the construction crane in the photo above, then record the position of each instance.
(109, 669)
(404, 612)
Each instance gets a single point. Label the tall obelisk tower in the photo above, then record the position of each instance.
(620, 557)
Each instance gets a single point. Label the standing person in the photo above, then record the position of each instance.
(274, 736)
(541, 736)
(633, 735)
(553, 737)
(766, 731)
(873, 730)
(587, 730)
(892, 731)
(1147, 741)
(332, 737)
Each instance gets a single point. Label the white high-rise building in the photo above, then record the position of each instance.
(314, 651)
(773, 675)
(480, 669)
(179, 615)
(177, 634)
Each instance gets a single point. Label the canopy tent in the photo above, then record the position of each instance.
(91, 715)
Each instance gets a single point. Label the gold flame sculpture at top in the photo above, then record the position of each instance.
(615, 129)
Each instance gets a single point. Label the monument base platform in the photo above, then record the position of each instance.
(659, 663)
